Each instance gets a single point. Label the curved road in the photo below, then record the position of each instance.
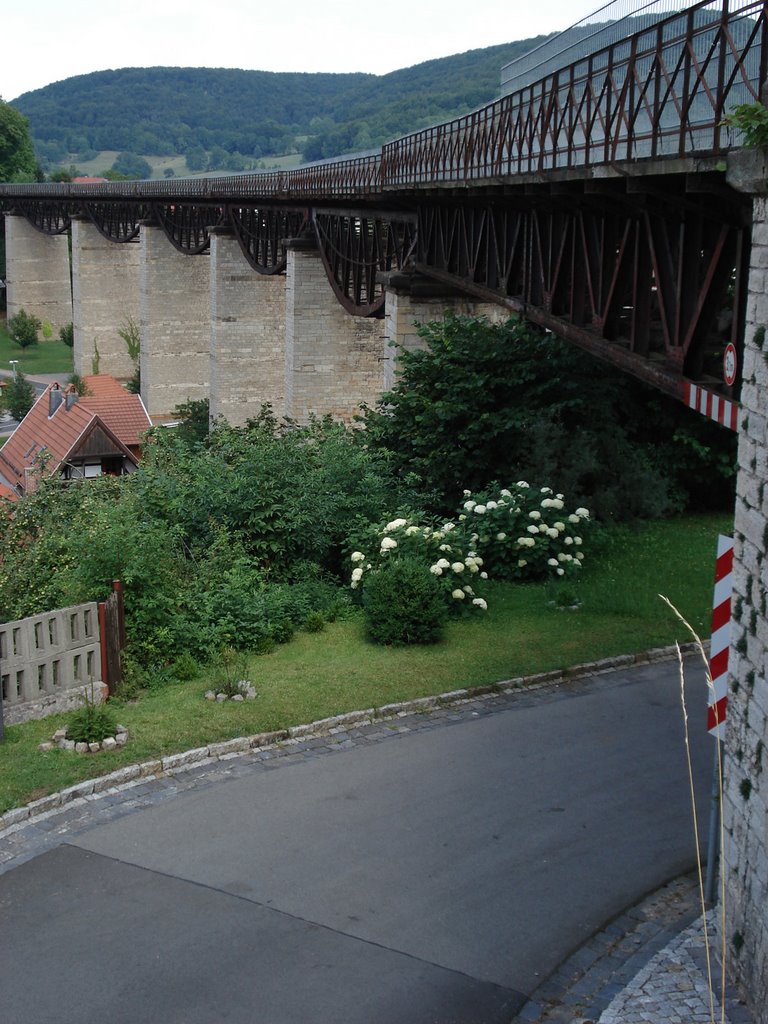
(431, 869)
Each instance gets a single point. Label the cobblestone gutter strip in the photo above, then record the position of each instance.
(648, 966)
(172, 764)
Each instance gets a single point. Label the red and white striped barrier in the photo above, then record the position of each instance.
(711, 405)
(721, 638)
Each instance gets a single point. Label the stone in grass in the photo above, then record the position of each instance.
(94, 747)
(121, 739)
(121, 729)
(81, 748)
(221, 696)
(45, 747)
(239, 697)
(109, 743)
(60, 734)
(68, 745)
(210, 695)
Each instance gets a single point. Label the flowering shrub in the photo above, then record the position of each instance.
(524, 532)
(440, 548)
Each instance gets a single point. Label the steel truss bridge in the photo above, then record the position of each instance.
(594, 202)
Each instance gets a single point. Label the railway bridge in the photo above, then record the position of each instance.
(610, 201)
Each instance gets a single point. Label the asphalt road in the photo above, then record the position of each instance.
(435, 876)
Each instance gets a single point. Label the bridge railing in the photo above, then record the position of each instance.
(661, 92)
(337, 179)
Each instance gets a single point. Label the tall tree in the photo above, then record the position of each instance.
(17, 155)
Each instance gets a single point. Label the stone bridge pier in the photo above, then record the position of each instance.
(745, 797)
(37, 273)
(105, 299)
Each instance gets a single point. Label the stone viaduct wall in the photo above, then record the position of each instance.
(745, 797)
(211, 327)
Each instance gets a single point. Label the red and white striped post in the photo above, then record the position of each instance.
(718, 694)
(721, 638)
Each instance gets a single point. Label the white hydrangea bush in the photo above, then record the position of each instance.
(443, 549)
(524, 532)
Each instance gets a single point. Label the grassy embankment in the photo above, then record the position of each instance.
(45, 357)
(321, 674)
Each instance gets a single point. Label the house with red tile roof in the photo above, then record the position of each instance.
(75, 436)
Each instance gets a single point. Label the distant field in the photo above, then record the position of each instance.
(159, 164)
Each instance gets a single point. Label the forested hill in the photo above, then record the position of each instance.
(221, 118)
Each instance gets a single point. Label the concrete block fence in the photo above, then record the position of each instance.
(48, 662)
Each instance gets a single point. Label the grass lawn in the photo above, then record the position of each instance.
(321, 674)
(45, 357)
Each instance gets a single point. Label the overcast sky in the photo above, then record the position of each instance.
(45, 41)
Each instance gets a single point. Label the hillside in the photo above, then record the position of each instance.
(220, 119)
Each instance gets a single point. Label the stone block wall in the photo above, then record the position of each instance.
(334, 361)
(37, 273)
(745, 798)
(247, 359)
(174, 322)
(105, 296)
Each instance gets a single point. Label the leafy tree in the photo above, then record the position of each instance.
(17, 154)
(501, 402)
(23, 328)
(132, 166)
(193, 419)
(19, 396)
(196, 158)
(64, 173)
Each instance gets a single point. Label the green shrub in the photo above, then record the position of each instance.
(24, 328)
(91, 723)
(78, 383)
(193, 419)
(67, 335)
(404, 603)
(314, 623)
(231, 672)
(752, 120)
(185, 667)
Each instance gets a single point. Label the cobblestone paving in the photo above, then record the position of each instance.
(673, 986)
(649, 966)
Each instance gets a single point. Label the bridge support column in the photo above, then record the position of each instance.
(247, 366)
(333, 360)
(412, 300)
(174, 320)
(745, 798)
(37, 273)
(105, 297)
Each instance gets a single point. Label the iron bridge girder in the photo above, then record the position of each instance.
(653, 284)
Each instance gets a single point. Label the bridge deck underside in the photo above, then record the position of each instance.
(645, 273)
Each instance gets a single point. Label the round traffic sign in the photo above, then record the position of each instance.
(730, 363)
